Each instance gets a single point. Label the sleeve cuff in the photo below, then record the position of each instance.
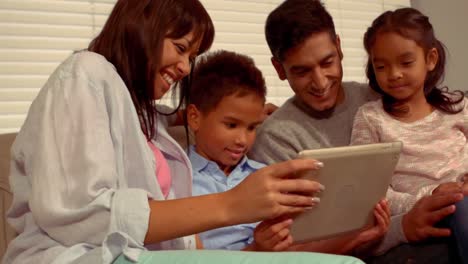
(399, 226)
(394, 236)
(130, 214)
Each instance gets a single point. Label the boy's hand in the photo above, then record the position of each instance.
(273, 235)
(375, 233)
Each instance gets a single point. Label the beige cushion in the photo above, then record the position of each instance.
(6, 232)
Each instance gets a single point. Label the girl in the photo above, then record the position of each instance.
(95, 176)
(406, 64)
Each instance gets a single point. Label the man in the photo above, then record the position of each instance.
(307, 53)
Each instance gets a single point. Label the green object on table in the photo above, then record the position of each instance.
(237, 257)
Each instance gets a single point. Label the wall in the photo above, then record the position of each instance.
(450, 22)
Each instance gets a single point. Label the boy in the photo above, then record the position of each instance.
(227, 99)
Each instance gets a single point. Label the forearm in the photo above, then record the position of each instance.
(180, 217)
(340, 245)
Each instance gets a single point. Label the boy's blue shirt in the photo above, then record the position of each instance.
(209, 178)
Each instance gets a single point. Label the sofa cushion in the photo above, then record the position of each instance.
(6, 232)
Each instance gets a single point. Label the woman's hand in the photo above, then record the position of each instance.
(272, 192)
(265, 194)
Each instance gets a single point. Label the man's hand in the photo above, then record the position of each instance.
(418, 223)
(448, 187)
(465, 188)
(465, 185)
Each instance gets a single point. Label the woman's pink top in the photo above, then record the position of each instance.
(163, 173)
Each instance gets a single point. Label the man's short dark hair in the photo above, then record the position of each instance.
(222, 73)
(294, 21)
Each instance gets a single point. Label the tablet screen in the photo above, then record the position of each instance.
(355, 179)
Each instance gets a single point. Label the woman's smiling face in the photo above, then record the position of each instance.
(177, 56)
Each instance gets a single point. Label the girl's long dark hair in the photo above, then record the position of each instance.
(412, 24)
(132, 40)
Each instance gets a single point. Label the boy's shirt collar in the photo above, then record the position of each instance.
(199, 163)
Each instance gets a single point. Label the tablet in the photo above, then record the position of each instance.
(355, 179)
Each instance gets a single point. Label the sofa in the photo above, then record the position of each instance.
(6, 232)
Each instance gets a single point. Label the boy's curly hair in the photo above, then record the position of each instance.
(222, 73)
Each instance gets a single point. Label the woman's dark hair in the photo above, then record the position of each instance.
(412, 24)
(292, 22)
(132, 40)
(223, 73)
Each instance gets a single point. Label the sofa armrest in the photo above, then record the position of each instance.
(6, 232)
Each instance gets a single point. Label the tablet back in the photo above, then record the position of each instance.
(355, 179)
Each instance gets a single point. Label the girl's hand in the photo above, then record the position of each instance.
(375, 233)
(448, 187)
(273, 191)
(272, 235)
